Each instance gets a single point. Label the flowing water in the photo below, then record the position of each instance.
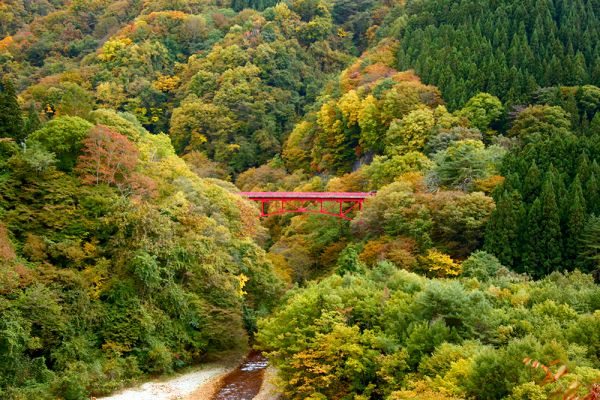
(244, 383)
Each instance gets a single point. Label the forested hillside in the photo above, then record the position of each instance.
(508, 48)
(118, 262)
(127, 128)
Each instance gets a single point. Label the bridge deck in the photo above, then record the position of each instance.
(307, 195)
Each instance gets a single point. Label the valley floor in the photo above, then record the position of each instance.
(185, 386)
(200, 384)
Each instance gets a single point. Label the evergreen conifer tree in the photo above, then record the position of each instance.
(502, 238)
(531, 246)
(583, 167)
(550, 239)
(575, 223)
(11, 119)
(590, 247)
(32, 120)
(570, 107)
(592, 194)
(531, 183)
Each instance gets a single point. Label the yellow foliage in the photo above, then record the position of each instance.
(421, 390)
(520, 298)
(281, 266)
(116, 348)
(97, 277)
(356, 181)
(499, 293)
(112, 47)
(444, 119)
(411, 132)
(89, 249)
(111, 93)
(487, 185)
(439, 264)
(350, 105)
(297, 147)
(242, 280)
(198, 138)
(342, 33)
(327, 118)
(458, 373)
(166, 83)
(6, 43)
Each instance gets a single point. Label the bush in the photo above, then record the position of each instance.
(480, 265)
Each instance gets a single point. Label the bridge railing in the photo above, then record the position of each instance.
(347, 202)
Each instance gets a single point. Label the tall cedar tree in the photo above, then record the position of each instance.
(574, 224)
(503, 230)
(590, 247)
(11, 119)
(543, 241)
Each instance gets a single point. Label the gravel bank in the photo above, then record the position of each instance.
(178, 387)
(268, 390)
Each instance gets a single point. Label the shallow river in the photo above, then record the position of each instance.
(244, 382)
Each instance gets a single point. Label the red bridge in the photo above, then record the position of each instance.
(277, 203)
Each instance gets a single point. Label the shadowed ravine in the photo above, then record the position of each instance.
(245, 381)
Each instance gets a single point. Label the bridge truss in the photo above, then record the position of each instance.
(336, 204)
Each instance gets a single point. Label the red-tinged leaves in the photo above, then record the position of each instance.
(110, 157)
(561, 371)
(571, 391)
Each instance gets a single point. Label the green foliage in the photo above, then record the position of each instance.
(38, 158)
(548, 196)
(452, 221)
(11, 119)
(137, 265)
(100, 288)
(348, 261)
(411, 132)
(481, 265)
(590, 243)
(538, 122)
(372, 333)
(396, 119)
(509, 54)
(384, 170)
(482, 110)
(464, 162)
(63, 136)
(60, 99)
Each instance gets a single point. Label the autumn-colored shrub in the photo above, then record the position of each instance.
(7, 252)
(438, 264)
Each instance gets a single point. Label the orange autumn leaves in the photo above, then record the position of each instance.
(111, 158)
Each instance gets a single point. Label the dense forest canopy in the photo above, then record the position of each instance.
(508, 48)
(127, 129)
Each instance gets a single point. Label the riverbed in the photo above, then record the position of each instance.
(246, 380)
